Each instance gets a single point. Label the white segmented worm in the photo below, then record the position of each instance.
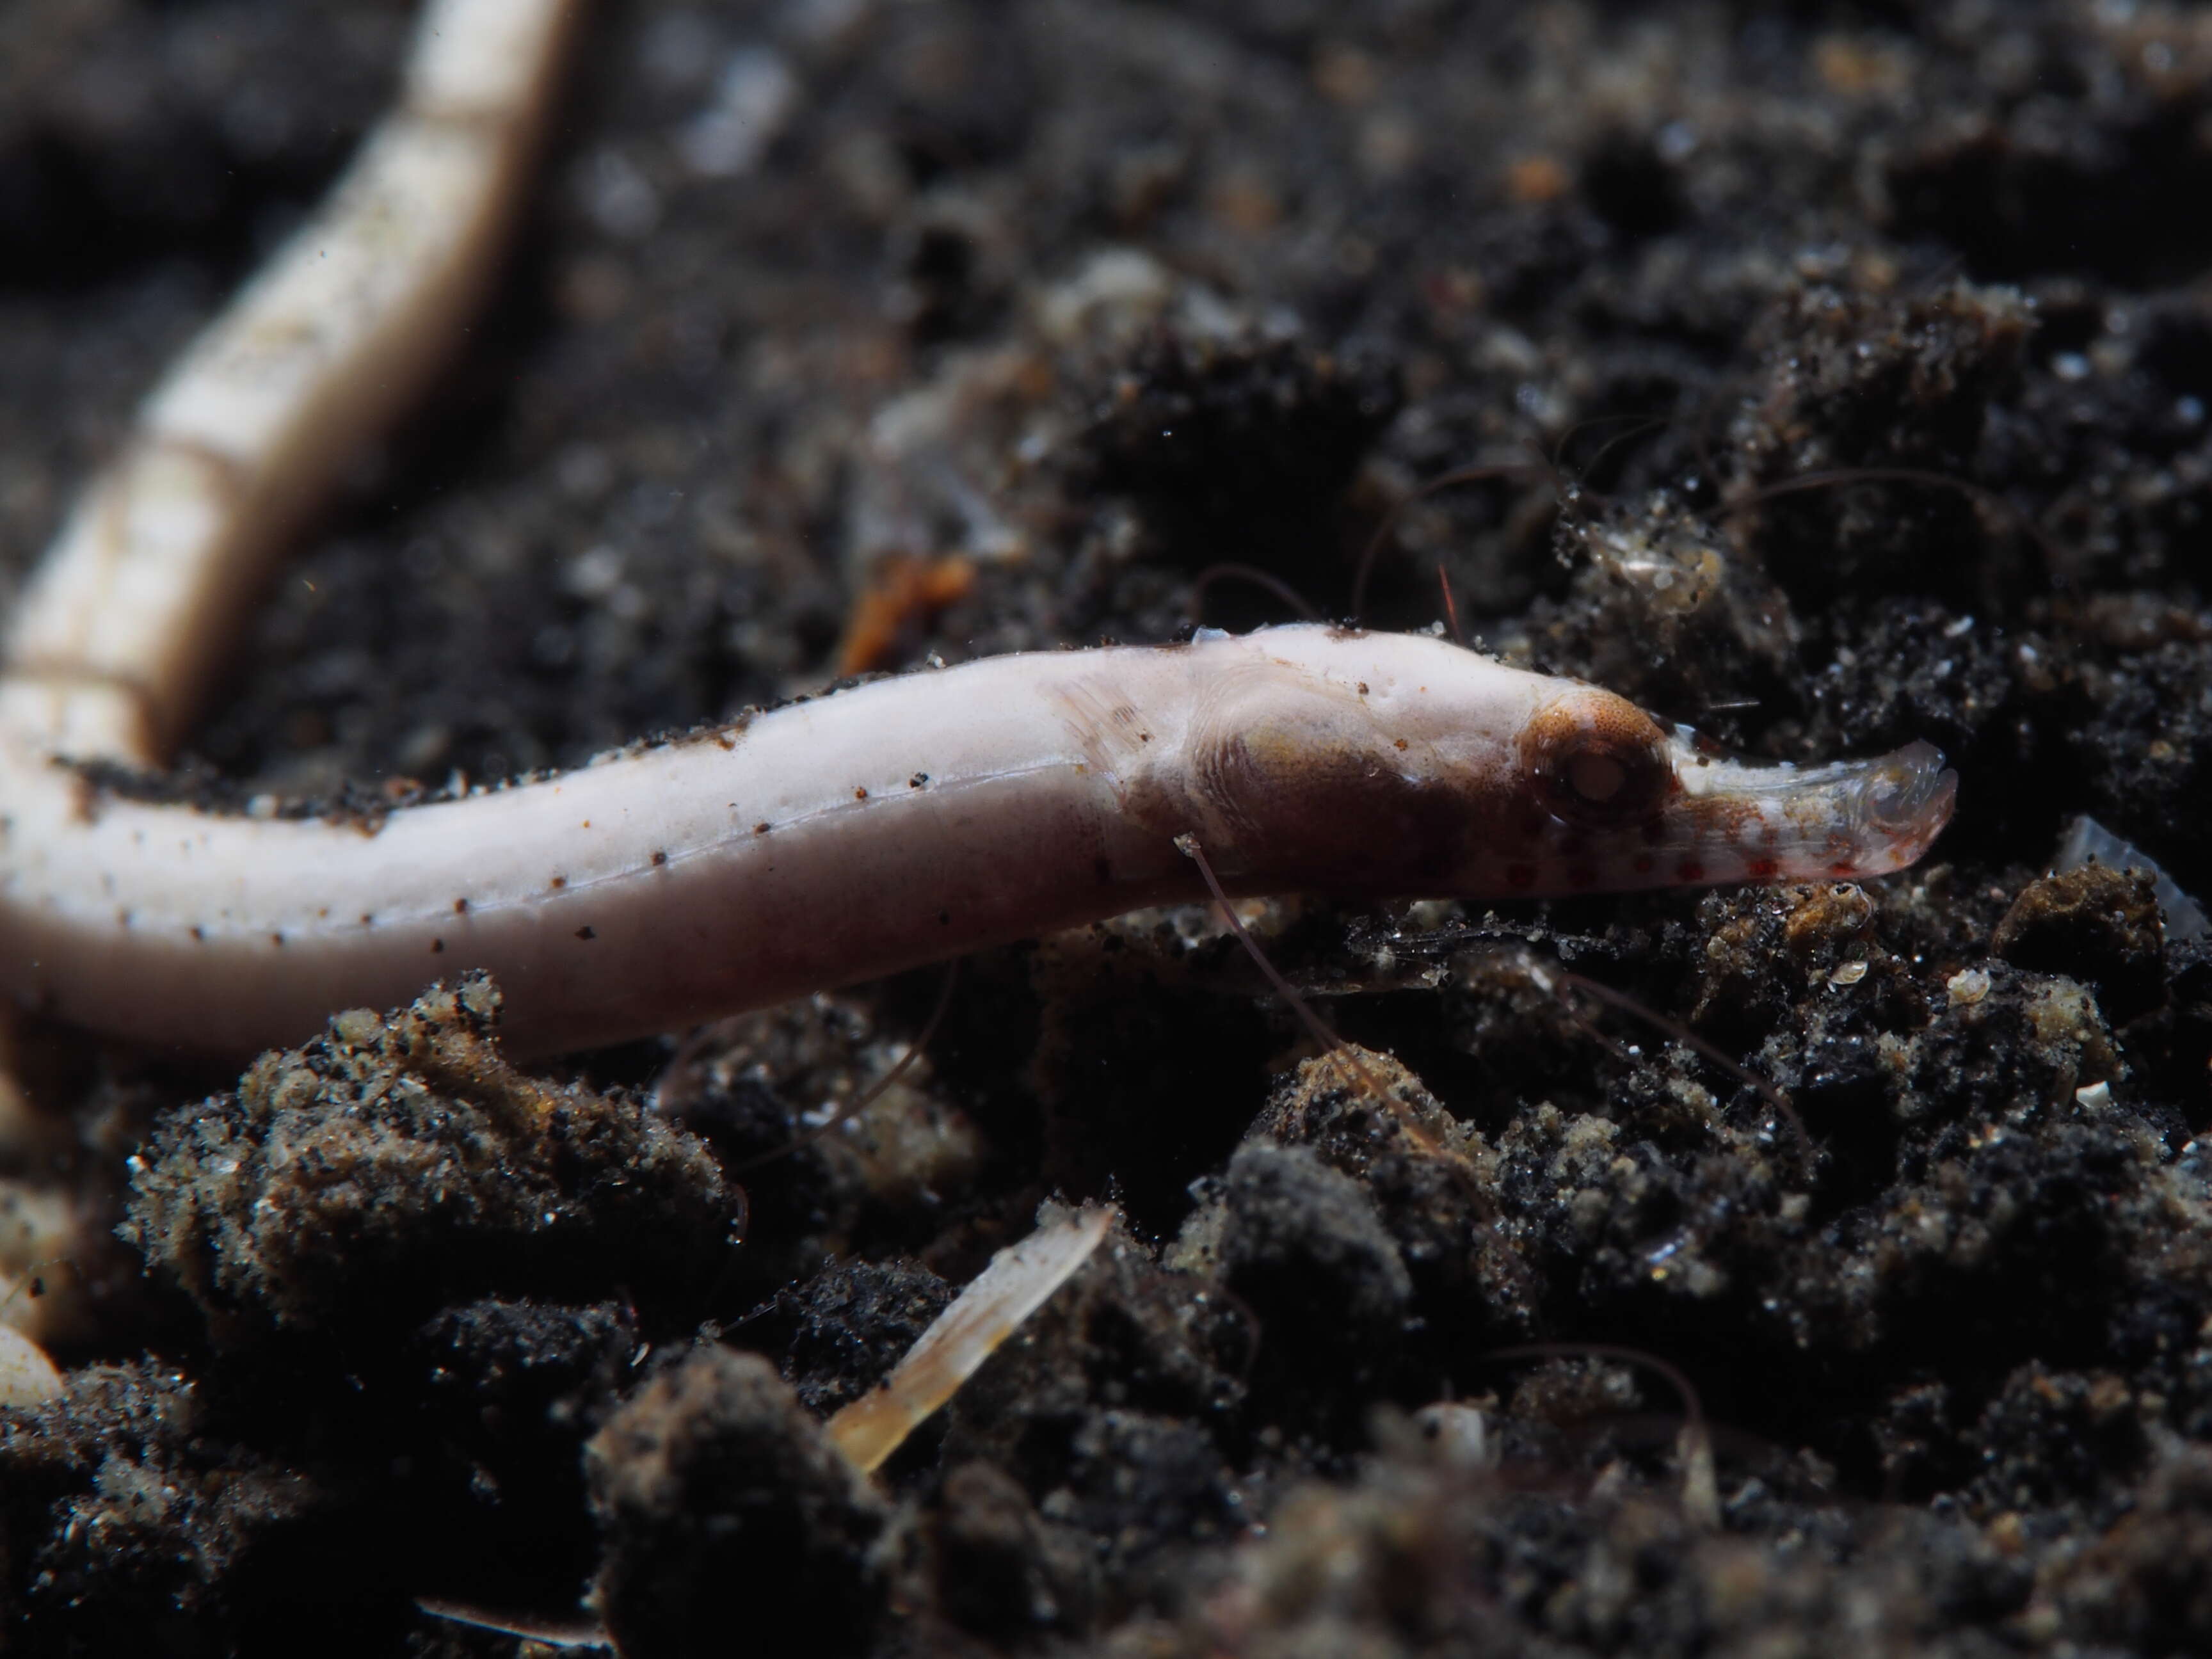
(907, 821)
(132, 605)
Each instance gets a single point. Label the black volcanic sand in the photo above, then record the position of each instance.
(1095, 297)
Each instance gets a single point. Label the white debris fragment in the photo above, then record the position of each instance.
(754, 101)
(1018, 1281)
(1460, 1434)
(26, 1376)
(1967, 987)
(2087, 842)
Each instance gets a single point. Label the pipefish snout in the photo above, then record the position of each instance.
(848, 836)
(1748, 821)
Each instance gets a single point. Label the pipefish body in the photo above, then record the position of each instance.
(907, 821)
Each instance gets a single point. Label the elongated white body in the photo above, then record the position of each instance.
(906, 820)
(835, 840)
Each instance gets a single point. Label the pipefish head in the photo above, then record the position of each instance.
(1625, 801)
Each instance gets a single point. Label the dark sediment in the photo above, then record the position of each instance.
(1095, 298)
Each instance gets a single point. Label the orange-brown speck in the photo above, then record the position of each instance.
(1533, 179)
(906, 591)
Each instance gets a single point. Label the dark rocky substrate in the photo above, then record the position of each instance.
(1063, 305)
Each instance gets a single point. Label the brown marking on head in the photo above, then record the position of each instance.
(1597, 762)
(1340, 811)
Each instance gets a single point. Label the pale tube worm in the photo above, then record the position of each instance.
(907, 821)
(133, 604)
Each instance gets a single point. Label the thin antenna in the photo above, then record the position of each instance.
(869, 1096)
(1187, 845)
(1700, 1483)
(1693, 1409)
(1980, 494)
(1444, 481)
(1259, 578)
(1331, 1043)
(1557, 979)
(1644, 423)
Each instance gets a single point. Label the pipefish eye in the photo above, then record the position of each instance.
(1596, 760)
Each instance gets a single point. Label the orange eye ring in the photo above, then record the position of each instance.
(1597, 761)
